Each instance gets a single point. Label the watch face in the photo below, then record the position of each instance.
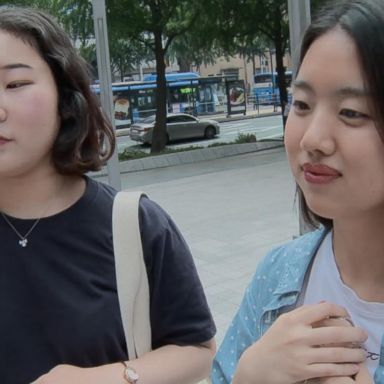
(131, 375)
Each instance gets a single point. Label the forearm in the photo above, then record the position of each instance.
(245, 371)
(167, 365)
(170, 364)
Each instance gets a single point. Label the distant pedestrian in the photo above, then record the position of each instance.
(60, 320)
(314, 312)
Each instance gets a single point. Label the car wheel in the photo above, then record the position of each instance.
(209, 132)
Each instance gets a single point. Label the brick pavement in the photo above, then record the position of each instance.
(231, 211)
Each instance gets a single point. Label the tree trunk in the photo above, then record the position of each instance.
(121, 69)
(159, 137)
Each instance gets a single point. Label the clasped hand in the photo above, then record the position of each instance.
(310, 342)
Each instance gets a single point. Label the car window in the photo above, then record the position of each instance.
(189, 119)
(180, 119)
(175, 119)
(172, 119)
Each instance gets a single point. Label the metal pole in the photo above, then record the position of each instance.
(104, 71)
(299, 14)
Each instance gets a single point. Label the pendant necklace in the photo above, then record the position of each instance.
(23, 242)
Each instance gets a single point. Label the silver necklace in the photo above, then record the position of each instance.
(23, 240)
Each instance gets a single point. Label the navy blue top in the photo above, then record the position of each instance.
(58, 298)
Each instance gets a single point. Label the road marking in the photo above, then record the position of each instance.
(270, 136)
(251, 129)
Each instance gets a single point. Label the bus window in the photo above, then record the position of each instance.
(262, 78)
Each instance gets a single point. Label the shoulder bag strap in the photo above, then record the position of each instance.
(131, 274)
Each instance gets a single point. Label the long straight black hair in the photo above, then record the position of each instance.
(363, 21)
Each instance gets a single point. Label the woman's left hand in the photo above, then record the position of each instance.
(69, 374)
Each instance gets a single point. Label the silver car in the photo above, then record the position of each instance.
(179, 126)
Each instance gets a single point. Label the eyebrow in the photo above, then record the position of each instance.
(344, 91)
(15, 66)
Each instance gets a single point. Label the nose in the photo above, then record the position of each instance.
(318, 137)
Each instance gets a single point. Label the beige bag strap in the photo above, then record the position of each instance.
(131, 274)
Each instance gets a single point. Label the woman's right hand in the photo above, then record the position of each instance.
(301, 345)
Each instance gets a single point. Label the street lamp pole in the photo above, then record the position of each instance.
(299, 14)
(104, 71)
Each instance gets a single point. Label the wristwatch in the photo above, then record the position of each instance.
(130, 374)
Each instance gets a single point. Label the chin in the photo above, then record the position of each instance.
(322, 210)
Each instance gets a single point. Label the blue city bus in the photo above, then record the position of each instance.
(186, 92)
(266, 90)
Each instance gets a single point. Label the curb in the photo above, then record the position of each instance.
(244, 117)
(193, 156)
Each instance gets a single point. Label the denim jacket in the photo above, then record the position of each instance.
(274, 289)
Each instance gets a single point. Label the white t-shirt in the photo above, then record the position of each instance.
(325, 283)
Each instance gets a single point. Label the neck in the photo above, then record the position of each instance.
(359, 254)
(39, 195)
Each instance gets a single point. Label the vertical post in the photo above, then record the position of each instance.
(271, 62)
(299, 14)
(104, 71)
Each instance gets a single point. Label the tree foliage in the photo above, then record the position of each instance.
(155, 24)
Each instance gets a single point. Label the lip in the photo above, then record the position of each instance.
(4, 140)
(319, 173)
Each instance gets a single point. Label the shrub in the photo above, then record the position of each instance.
(245, 138)
(131, 154)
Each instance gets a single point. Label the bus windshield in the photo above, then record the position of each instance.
(263, 78)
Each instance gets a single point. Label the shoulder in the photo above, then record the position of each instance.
(98, 191)
(295, 251)
(151, 213)
(285, 266)
(154, 221)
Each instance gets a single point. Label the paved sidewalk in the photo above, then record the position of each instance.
(231, 211)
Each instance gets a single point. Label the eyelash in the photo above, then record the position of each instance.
(350, 114)
(17, 84)
(300, 106)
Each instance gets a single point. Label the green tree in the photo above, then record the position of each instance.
(245, 23)
(189, 49)
(155, 23)
(126, 55)
(315, 4)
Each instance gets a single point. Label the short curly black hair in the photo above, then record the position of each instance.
(86, 138)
